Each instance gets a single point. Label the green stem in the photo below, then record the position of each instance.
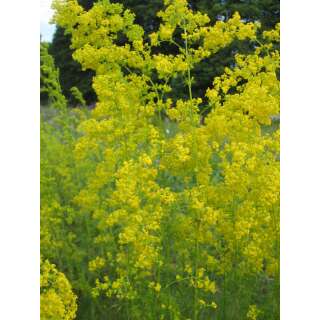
(128, 279)
(174, 282)
(195, 301)
(187, 58)
(158, 98)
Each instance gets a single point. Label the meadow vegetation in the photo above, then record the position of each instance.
(154, 206)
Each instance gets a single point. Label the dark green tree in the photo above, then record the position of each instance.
(266, 11)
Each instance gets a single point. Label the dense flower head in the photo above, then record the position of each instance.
(57, 300)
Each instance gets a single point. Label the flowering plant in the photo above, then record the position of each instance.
(179, 213)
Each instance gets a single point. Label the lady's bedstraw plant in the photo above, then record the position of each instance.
(186, 215)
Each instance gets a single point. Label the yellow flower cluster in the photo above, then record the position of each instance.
(57, 301)
(253, 312)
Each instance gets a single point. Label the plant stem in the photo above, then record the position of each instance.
(187, 58)
(195, 301)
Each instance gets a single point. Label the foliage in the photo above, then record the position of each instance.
(50, 90)
(151, 210)
(65, 236)
(78, 96)
(265, 11)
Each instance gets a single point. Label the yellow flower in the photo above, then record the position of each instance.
(157, 287)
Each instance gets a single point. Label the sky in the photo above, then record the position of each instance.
(46, 29)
